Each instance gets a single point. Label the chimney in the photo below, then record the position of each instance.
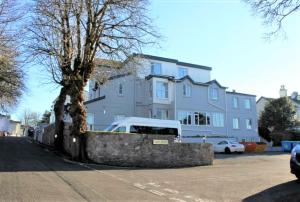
(283, 91)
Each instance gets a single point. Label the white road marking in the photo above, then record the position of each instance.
(177, 199)
(154, 184)
(157, 192)
(139, 186)
(172, 191)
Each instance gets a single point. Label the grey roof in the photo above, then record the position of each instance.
(191, 80)
(152, 57)
(170, 78)
(216, 82)
(241, 94)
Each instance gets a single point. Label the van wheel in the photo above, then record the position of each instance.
(227, 150)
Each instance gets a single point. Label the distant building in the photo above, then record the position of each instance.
(165, 88)
(294, 97)
(9, 127)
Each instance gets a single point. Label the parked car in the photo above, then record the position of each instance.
(295, 161)
(146, 126)
(228, 146)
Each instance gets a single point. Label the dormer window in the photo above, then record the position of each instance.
(214, 93)
(156, 68)
(182, 72)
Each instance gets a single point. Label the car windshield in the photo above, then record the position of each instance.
(110, 128)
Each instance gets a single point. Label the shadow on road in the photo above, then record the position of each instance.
(18, 154)
(289, 191)
(233, 155)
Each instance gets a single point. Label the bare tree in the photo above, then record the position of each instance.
(11, 74)
(274, 12)
(30, 118)
(68, 35)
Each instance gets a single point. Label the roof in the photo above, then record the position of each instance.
(266, 98)
(187, 77)
(151, 57)
(216, 82)
(241, 94)
(295, 100)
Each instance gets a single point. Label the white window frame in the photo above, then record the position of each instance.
(187, 90)
(249, 124)
(214, 93)
(207, 117)
(247, 103)
(162, 93)
(185, 114)
(156, 68)
(235, 102)
(218, 119)
(236, 123)
(182, 72)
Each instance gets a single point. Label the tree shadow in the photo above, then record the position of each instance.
(289, 191)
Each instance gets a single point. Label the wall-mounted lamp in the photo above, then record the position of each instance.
(55, 136)
(74, 139)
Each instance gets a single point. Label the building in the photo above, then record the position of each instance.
(9, 127)
(294, 97)
(165, 88)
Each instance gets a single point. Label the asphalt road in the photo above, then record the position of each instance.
(30, 173)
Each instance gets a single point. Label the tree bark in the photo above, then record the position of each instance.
(59, 119)
(78, 114)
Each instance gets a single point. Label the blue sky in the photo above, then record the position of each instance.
(223, 34)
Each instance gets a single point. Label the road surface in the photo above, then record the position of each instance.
(28, 172)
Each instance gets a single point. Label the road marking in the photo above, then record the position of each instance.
(172, 191)
(139, 186)
(177, 199)
(157, 192)
(154, 184)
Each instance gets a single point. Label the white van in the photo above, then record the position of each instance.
(146, 126)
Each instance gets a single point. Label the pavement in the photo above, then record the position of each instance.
(29, 172)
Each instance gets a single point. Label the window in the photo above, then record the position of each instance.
(214, 93)
(249, 124)
(153, 130)
(235, 102)
(247, 104)
(235, 123)
(161, 90)
(121, 129)
(201, 118)
(120, 91)
(187, 90)
(218, 119)
(185, 117)
(182, 72)
(155, 68)
(162, 114)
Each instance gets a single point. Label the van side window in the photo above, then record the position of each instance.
(121, 129)
(153, 130)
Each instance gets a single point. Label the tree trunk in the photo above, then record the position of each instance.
(59, 119)
(78, 114)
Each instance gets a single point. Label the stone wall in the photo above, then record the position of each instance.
(140, 151)
(135, 150)
(48, 135)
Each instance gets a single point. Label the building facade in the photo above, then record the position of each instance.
(165, 88)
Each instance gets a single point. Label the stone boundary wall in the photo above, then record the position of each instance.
(135, 150)
(138, 150)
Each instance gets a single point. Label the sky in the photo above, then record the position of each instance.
(222, 34)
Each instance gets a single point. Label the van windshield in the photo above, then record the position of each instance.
(110, 128)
